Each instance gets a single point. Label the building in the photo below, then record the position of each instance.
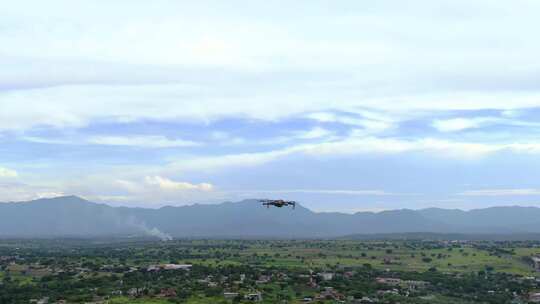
(263, 279)
(534, 297)
(153, 268)
(348, 274)
(177, 266)
(536, 262)
(387, 292)
(169, 267)
(167, 293)
(388, 281)
(136, 292)
(329, 294)
(230, 295)
(365, 300)
(254, 297)
(416, 285)
(326, 276)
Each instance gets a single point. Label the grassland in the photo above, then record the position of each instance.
(398, 256)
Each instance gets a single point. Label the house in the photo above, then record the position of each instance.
(169, 267)
(416, 285)
(132, 269)
(388, 281)
(177, 266)
(230, 295)
(263, 279)
(44, 300)
(153, 268)
(167, 293)
(365, 300)
(534, 297)
(254, 297)
(348, 274)
(387, 292)
(208, 280)
(326, 276)
(6, 258)
(329, 294)
(536, 262)
(136, 292)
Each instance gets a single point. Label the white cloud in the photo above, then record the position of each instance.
(195, 64)
(7, 173)
(45, 140)
(241, 160)
(374, 145)
(151, 191)
(320, 191)
(460, 124)
(52, 194)
(16, 192)
(170, 185)
(314, 133)
(528, 148)
(156, 184)
(502, 192)
(373, 123)
(76, 106)
(333, 117)
(434, 148)
(141, 141)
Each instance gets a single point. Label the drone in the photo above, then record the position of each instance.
(277, 203)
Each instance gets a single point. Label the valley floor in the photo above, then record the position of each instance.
(288, 271)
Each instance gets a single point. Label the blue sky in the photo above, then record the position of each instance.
(343, 106)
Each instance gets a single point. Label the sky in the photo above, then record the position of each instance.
(341, 105)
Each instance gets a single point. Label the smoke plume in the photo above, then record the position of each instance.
(155, 232)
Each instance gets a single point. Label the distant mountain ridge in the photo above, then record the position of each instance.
(71, 216)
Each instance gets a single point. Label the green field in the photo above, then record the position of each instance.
(465, 258)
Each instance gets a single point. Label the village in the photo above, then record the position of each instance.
(222, 272)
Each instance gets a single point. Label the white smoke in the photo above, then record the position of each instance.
(132, 221)
(157, 233)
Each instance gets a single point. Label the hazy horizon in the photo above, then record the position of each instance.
(342, 106)
(255, 202)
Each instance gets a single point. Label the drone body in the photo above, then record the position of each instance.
(277, 203)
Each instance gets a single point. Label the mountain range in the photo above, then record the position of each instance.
(71, 216)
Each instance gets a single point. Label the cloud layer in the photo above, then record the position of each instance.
(179, 102)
